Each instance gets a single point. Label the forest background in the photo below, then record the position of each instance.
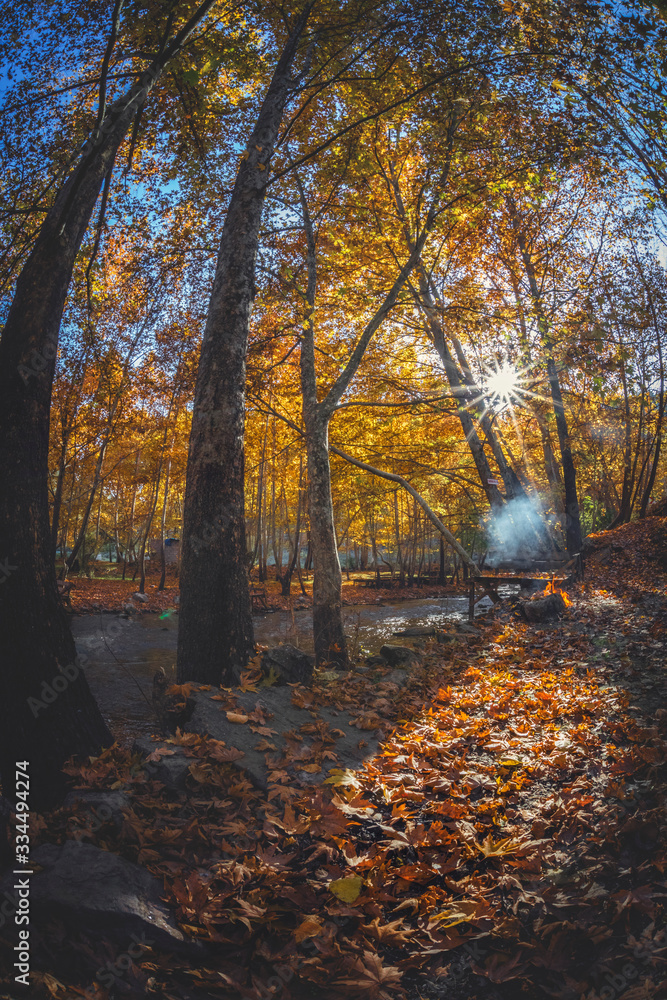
(423, 238)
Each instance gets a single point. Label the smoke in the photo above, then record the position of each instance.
(516, 534)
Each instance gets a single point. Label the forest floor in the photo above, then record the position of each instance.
(104, 594)
(509, 840)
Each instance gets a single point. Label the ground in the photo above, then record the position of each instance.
(110, 593)
(508, 841)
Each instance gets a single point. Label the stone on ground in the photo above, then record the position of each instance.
(209, 719)
(288, 665)
(91, 889)
(398, 656)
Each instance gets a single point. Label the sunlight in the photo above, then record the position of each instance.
(502, 383)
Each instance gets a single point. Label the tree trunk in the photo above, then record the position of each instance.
(573, 536)
(130, 530)
(328, 632)
(37, 643)
(163, 522)
(293, 556)
(97, 479)
(215, 622)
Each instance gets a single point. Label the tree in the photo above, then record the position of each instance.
(38, 654)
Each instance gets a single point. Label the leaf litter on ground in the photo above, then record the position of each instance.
(508, 840)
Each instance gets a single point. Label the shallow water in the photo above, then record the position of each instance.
(122, 654)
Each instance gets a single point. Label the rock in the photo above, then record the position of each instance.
(129, 609)
(209, 719)
(289, 664)
(398, 656)
(375, 661)
(172, 769)
(396, 676)
(98, 806)
(91, 889)
(467, 629)
(140, 597)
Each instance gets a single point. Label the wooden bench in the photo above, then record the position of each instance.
(258, 598)
(554, 571)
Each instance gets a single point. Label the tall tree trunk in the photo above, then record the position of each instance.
(37, 643)
(329, 636)
(573, 537)
(328, 632)
(455, 377)
(215, 622)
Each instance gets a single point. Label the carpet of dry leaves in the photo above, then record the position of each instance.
(508, 841)
(112, 595)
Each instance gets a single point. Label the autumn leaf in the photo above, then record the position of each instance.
(226, 754)
(309, 927)
(236, 717)
(458, 913)
(367, 976)
(160, 752)
(347, 889)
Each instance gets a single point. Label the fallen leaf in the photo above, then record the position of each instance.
(346, 889)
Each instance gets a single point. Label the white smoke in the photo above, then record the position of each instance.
(515, 535)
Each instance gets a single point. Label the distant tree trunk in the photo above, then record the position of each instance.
(260, 493)
(293, 556)
(58, 496)
(442, 579)
(83, 527)
(573, 534)
(116, 536)
(215, 623)
(399, 553)
(163, 522)
(153, 507)
(130, 530)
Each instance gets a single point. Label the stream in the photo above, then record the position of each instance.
(122, 653)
